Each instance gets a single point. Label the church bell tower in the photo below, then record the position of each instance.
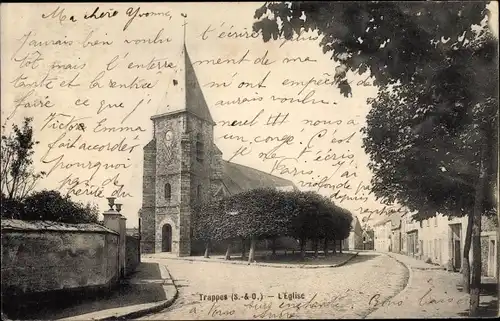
(177, 164)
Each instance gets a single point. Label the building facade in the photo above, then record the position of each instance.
(438, 240)
(355, 239)
(368, 239)
(404, 235)
(383, 235)
(183, 167)
(396, 233)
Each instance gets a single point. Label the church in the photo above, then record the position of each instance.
(182, 165)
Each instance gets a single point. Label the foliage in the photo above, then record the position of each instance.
(394, 41)
(343, 225)
(438, 86)
(49, 206)
(307, 209)
(211, 223)
(315, 216)
(18, 178)
(268, 213)
(201, 214)
(418, 155)
(432, 131)
(257, 213)
(10, 207)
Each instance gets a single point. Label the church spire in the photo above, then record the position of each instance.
(184, 92)
(184, 25)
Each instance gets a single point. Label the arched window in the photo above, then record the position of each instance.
(198, 193)
(199, 148)
(168, 192)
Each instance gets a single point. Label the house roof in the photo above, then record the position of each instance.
(383, 221)
(356, 224)
(238, 178)
(394, 219)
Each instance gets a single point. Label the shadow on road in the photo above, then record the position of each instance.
(295, 258)
(181, 283)
(488, 301)
(143, 286)
(362, 257)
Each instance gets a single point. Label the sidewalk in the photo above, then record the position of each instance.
(414, 263)
(432, 292)
(148, 290)
(261, 260)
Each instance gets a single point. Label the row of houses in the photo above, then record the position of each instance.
(438, 240)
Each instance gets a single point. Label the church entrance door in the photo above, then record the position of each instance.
(166, 238)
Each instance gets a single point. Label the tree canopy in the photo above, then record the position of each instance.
(435, 66)
(394, 41)
(432, 132)
(18, 176)
(49, 206)
(19, 179)
(267, 213)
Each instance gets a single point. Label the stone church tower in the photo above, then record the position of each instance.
(181, 165)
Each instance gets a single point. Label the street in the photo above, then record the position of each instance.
(227, 291)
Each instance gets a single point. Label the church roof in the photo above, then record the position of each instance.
(151, 145)
(183, 92)
(217, 149)
(238, 178)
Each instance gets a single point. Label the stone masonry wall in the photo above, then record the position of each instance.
(44, 260)
(167, 171)
(148, 198)
(133, 256)
(189, 179)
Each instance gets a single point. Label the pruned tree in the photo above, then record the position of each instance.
(266, 213)
(343, 225)
(329, 220)
(305, 224)
(259, 214)
(211, 223)
(315, 217)
(18, 178)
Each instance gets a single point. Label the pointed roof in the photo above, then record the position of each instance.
(195, 101)
(184, 93)
(356, 225)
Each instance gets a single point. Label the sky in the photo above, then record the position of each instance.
(47, 45)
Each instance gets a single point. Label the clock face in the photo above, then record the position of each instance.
(168, 136)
